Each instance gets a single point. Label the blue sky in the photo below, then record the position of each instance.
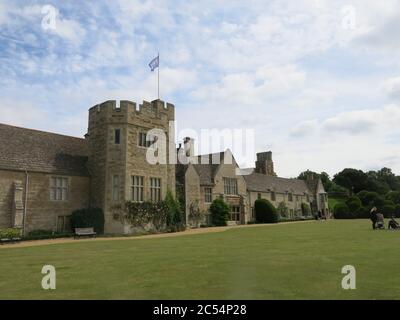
(318, 81)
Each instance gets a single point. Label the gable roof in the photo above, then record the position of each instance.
(208, 170)
(205, 166)
(263, 183)
(39, 151)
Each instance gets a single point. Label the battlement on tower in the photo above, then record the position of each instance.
(127, 109)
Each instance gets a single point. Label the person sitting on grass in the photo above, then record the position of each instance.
(393, 224)
(380, 221)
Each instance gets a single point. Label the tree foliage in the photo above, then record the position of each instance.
(282, 209)
(196, 216)
(265, 211)
(305, 209)
(352, 179)
(219, 210)
(163, 215)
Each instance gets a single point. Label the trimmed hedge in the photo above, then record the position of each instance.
(87, 218)
(10, 233)
(388, 211)
(353, 203)
(46, 234)
(265, 211)
(219, 212)
(342, 211)
(362, 213)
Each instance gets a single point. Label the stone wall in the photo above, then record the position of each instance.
(41, 212)
(192, 192)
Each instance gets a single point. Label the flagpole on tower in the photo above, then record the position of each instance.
(155, 63)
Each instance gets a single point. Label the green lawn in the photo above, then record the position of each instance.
(287, 261)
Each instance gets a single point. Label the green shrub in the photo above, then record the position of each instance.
(342, 211)
(46, 234)
(10, 233)
(40, 233)
(265, 212)
(175, 216)
(219, 210)
(393, 196)
(282, 210)
(353, 203)
(388, 203)
(388, 211)
(371, 199)
(305, 209)
(87, 218)
(361, 213)
(139, 214)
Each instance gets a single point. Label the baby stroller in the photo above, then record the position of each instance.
(393, 224)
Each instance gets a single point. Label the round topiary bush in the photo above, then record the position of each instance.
(265, 211)
(219, 212)
(388, 211)
(342, 211)
(393, 196)
(362, 213)
(371, 199)
(354, 203)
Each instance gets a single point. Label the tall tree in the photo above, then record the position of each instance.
(352, 179)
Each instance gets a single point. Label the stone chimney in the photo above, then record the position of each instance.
(188, 145)
(264, 164)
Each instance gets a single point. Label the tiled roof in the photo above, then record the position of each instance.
(263, 183)
(33, 150)
(208, 170)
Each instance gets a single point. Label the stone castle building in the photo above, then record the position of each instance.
(45, 176)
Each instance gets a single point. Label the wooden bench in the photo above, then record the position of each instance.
(84, 232)
(10, 240)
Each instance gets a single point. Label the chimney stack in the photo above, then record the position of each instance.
(264, 164)
(188, 145)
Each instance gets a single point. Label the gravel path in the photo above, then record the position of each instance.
(34, 243)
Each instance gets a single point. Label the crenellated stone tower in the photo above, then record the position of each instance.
(117, 153)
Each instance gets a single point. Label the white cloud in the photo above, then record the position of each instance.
(371, 121)
(392, 87)
(69, 30)
(305, 128)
